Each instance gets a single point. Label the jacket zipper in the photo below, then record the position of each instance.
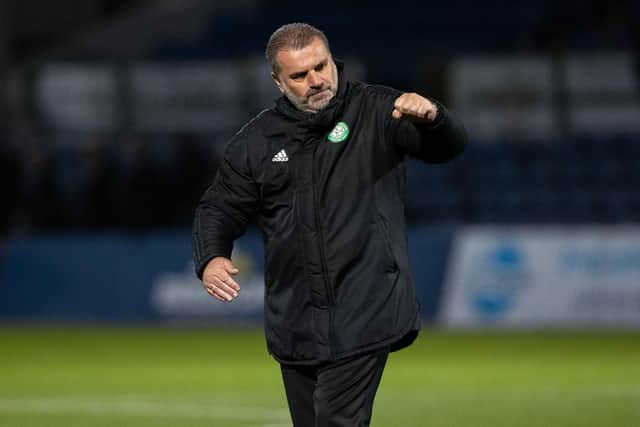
(325, 269)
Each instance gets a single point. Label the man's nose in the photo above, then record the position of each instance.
(314, 80)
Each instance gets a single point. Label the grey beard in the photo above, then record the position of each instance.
(297, 102)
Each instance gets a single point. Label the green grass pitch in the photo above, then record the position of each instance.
(95, 377)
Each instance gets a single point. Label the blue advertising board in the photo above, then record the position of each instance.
(149, 277)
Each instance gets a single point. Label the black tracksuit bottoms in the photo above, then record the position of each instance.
(336, 394)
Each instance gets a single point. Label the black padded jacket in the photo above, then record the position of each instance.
(327, 190)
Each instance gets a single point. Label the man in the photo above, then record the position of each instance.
(323, 173)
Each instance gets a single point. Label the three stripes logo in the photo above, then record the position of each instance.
(281, 156)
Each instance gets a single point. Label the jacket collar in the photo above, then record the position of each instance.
(324, 118)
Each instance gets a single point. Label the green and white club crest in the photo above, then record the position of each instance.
(339, 133)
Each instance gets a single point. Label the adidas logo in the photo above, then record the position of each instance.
(280, 157)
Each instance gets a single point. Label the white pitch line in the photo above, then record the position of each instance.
(153, 409)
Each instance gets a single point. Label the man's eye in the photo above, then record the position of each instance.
(320, 67)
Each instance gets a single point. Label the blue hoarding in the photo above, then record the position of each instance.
(149, 277)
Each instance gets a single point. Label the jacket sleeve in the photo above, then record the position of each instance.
(435, 142)
(226, 207)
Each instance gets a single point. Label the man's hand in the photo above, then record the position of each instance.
(414, 107)
(217, 280)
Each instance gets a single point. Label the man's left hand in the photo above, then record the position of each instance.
(414, 107)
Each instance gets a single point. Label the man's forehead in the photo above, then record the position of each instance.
(292, 61)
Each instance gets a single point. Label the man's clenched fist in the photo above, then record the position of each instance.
(414, 107)
(217, 280)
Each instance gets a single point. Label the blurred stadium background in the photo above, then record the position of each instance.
(526, 249)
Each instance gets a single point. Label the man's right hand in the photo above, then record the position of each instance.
(217, 280)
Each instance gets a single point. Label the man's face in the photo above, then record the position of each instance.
(308, 77)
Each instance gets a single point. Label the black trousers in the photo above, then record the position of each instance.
(337, 394)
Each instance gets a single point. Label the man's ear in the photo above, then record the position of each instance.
(277, 81)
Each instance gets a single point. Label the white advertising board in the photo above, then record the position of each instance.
(508, 96)
(197, 96)
(603, 93)
(78, 96)
(543, 277)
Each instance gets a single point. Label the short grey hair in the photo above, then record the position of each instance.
(295, 36)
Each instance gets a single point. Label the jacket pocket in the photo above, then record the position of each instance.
(391, 265)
